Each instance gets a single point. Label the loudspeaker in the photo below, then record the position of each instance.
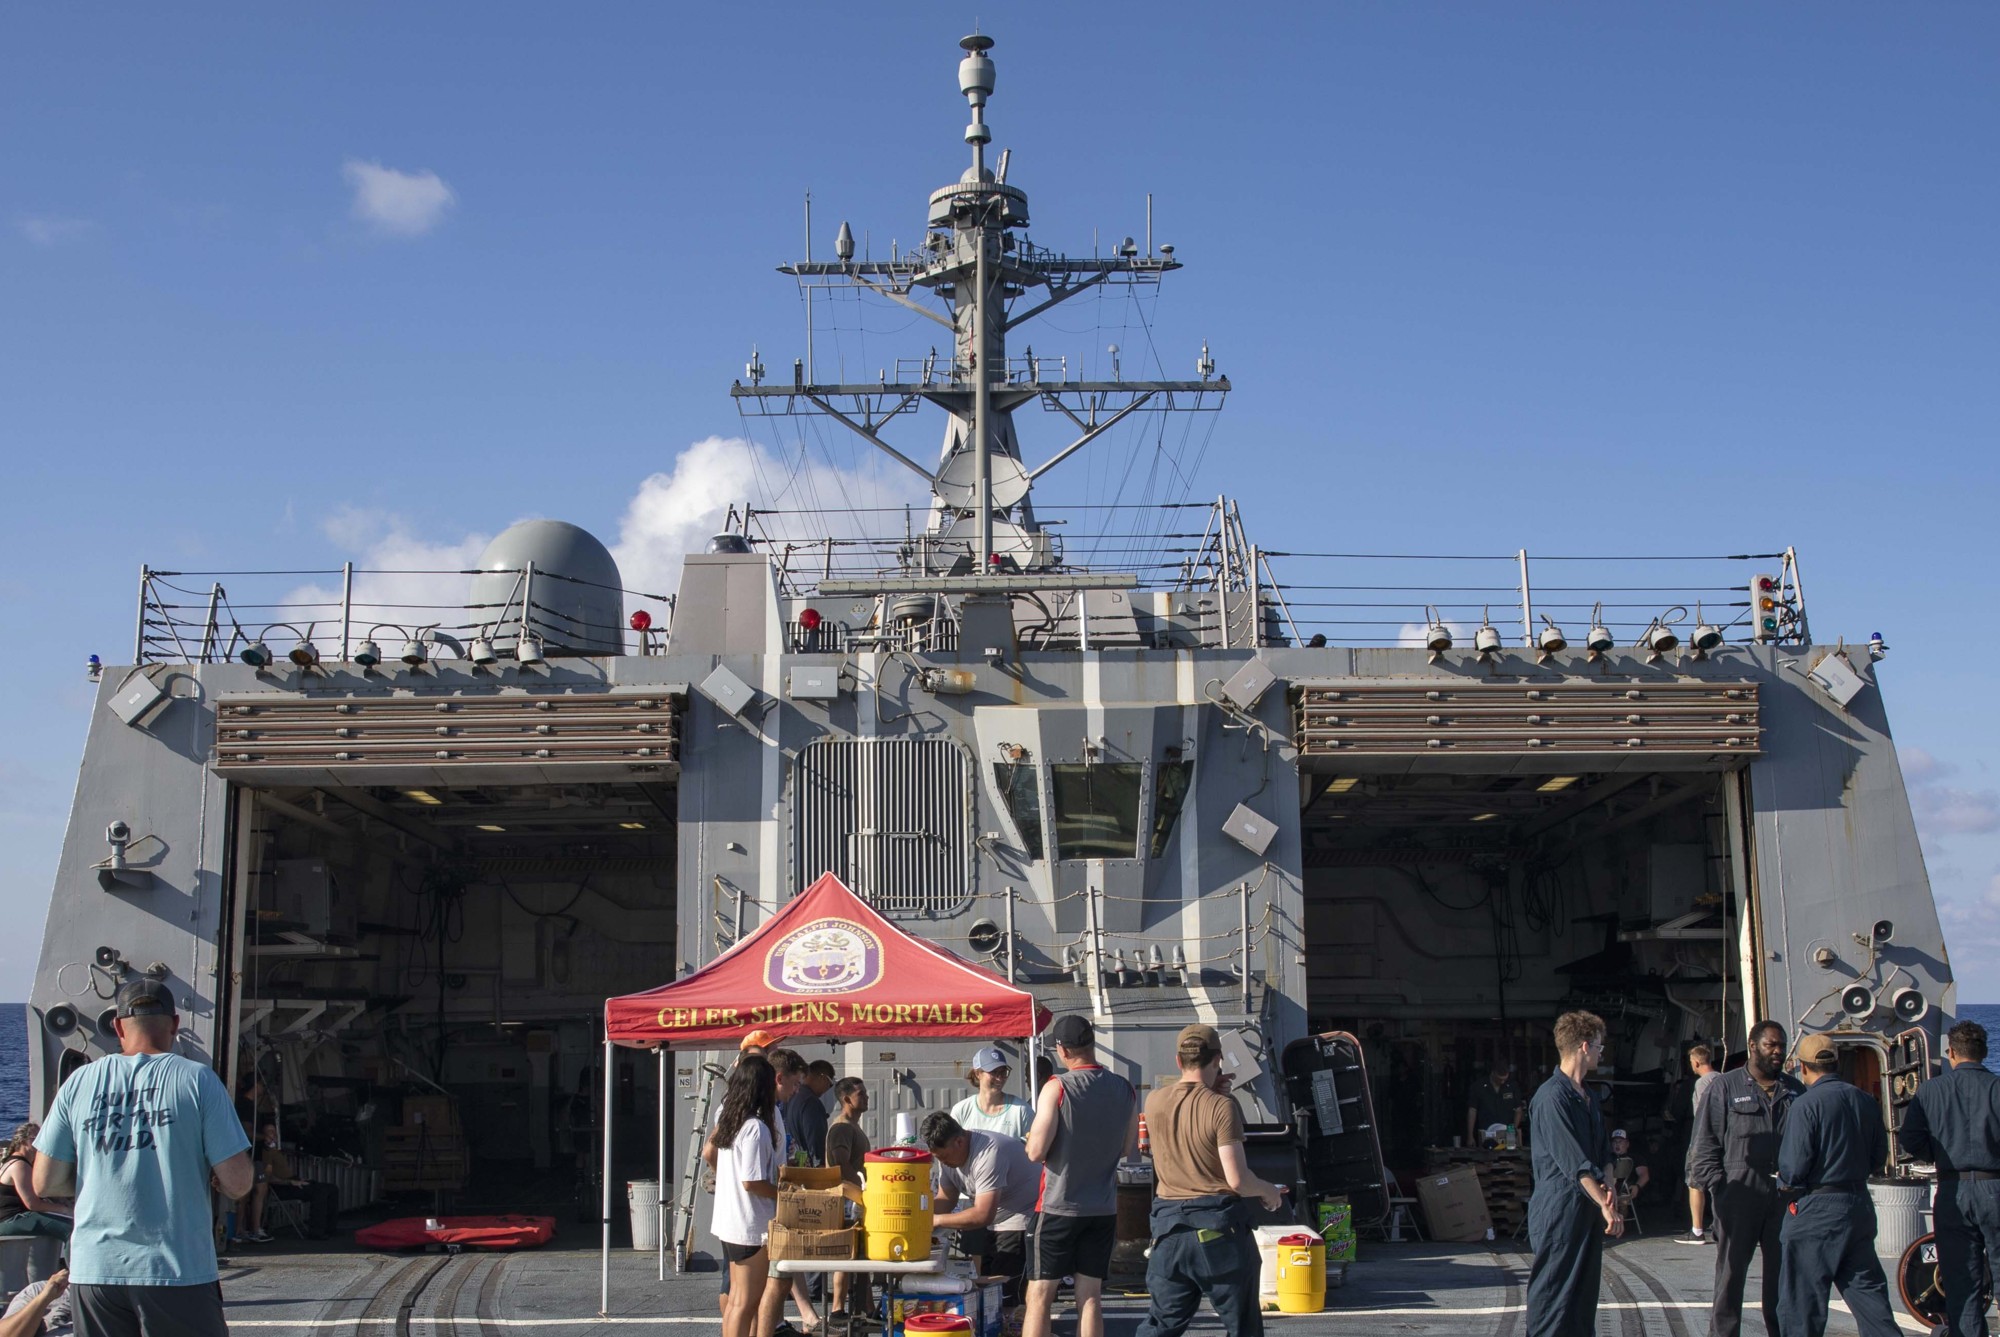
(983, 937)
(1909, 1005)
(60, 1020)
(1882, 931)
(1856, 1001)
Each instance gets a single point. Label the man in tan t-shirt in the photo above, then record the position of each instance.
(1202, 1241)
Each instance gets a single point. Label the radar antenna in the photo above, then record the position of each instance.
(975, 261)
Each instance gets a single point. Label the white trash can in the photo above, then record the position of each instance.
(643, 1196)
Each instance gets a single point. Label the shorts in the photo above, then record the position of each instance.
(159, 1311)
(737, 1253)
(1072, 1246)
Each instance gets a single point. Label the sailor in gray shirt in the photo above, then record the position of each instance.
(1086, 1118)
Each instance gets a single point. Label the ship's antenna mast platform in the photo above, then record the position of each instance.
(973, 264)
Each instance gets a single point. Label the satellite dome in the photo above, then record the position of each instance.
(574, 600)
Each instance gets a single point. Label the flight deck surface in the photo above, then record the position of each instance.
(1652, 1288)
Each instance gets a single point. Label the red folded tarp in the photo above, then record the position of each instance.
(471, 1232)
(825, 966)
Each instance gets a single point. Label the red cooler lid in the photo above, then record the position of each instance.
(904, 1155)
(937, 1323)
(1301, 1239)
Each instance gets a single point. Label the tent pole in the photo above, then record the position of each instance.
(660, 1197)
(604, 1261)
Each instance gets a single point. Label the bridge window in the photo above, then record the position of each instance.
(1021, 790)
(1097, 810)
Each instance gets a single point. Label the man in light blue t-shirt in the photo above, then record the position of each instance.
(144, 1130)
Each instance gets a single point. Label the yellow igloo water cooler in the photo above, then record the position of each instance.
(1301, 1274)
(896, 1205)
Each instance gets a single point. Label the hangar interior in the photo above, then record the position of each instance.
(423, 972)
(1451, 917)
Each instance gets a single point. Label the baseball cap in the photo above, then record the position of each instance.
(145, 998)
(1198, 1039)
(1617, 1133)
(761, 1039)
(1815, 1049)
(1072, 1032)
(988, 1059)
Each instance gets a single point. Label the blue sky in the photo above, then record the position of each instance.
(289, 286)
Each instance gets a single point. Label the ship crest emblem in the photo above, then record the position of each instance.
(825, 956)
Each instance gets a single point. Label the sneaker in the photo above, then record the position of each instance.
(259, 1237)
(1695, 1237)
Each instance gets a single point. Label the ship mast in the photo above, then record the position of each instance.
(975, 262)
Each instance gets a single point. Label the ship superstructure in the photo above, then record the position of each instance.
(385, 852)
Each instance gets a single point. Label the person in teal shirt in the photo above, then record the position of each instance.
(145, 1132)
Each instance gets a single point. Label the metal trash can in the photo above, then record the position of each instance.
(1901, 1209)
(643, 1197)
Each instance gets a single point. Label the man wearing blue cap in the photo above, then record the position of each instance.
(145, 1132)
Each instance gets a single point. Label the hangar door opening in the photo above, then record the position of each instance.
(1452, 917)
(421, 976)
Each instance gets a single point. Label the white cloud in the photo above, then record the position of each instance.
(676, 512)
(407, 578)
(1944, 809)
(401, 204)
(402, 578)
(51, 230)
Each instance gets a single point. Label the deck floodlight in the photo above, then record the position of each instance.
(305, 654)
(1437, 636)
(1707, 636)
(1600, 641)
(1551, 642)
(368, 654)
(480, 651)
(1659, 639)
(1487, 639)
(527, 650)
(414, 652)
(256, 654)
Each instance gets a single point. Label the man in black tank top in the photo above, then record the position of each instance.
(1086, 1118)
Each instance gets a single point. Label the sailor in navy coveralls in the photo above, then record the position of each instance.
(1954, 1122)
(1834, 1139)
(1571, 1211)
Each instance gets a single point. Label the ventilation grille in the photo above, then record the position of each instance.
(891, 817)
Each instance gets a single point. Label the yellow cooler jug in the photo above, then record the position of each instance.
(896, 1205)
(1301, 1274)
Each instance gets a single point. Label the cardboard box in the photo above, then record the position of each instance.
(786, 1243)
(810, 1176)
(802, 1208)
(1454, 1207)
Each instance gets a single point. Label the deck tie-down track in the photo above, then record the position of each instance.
(264, 733)
(1685, 719)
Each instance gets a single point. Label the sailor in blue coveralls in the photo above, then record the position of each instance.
(1834, 1139)
(1954, 1121)
(1571, 1211)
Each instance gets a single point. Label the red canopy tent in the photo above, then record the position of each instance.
(826, 966)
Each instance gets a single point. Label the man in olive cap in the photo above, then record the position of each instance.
(1834, 1140)
(146, 1133)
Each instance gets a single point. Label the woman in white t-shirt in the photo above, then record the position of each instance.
(746, 1188)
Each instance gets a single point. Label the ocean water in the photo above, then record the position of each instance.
(13, 1065)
